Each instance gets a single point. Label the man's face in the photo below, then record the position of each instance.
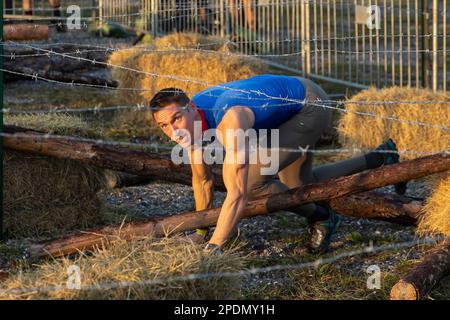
(177, 122)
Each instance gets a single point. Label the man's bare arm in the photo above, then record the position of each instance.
(235, 172)
(202, 181)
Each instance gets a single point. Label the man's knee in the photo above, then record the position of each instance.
(254, 188)
(265, 188)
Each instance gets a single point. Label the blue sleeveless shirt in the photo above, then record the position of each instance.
(264, 94)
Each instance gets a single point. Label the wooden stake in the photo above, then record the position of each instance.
(416, 284)
(25, 31)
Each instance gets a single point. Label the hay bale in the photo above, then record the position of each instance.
(367, 132)
(201, 69)
(189, 40)
(46, 196)
(204, 69)
(179, 63)
(361, 131)
(132, 261)
(437, 211)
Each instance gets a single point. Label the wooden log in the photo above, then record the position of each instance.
(370, 205)
(116, 179)
(425, 276)
(380, 206)
(26, 63)
(155, 165)
(327, 190)
(387, 207)
(25, 32)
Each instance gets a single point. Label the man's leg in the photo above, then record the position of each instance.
(304, 130)
(333, 170)
(298, 133)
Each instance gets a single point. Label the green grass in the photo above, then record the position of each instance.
(336, 281)
(360, 238)
(285, 222)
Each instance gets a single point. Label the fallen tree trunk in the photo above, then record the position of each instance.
(434, 267)
(116, 179)
(323, 191)
(27, 63)
(380, 206)
(149, 164)
(133, 167)
(25, 31)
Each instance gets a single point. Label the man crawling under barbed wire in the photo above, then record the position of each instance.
(281, 117)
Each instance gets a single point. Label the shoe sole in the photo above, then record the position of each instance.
(328, 239)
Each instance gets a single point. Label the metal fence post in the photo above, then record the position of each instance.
(100, 16)
(425, 45)
(307, 42)
(435, 45)
(154, 16)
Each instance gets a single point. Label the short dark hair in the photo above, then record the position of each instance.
(166, 97)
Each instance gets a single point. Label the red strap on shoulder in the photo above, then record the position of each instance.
(202, 116)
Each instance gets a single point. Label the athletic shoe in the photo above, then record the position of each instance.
(321, 232)
(392, 157)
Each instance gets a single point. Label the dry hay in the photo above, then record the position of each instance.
(46, 196)
(189, 40)
(437, 211)
(203, 68)
(361, 131)
(133, 261)
(53, 123)
(367, 132)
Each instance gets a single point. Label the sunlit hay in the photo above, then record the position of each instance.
(45, 196)
(189, 40)
(201, 69)
(191, 71)
(437, 211)
(365, 131)
(128, 80)
(53, 123)
(143, 264)
(167, 44)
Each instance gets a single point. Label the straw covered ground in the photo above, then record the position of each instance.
(45, 196)
(138, 263)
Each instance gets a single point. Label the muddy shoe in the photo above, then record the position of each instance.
(390, 155)
(213, 249)
(321, 232)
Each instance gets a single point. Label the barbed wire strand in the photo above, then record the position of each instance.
(247, 272)
(157, 146)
